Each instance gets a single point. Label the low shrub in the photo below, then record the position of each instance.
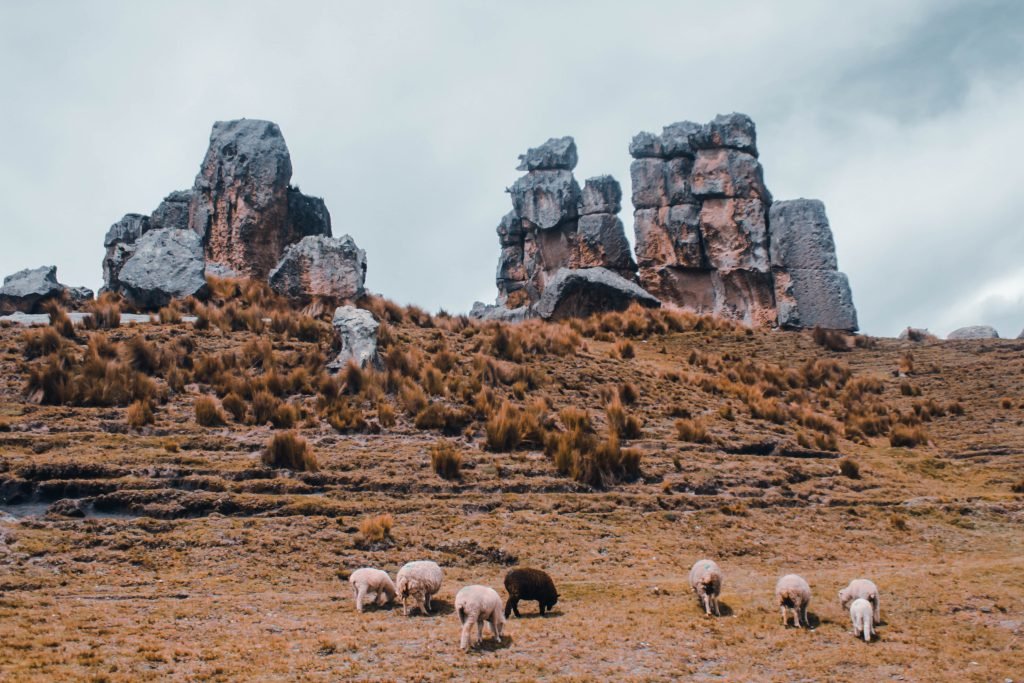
(446, 460)
(288, 450)
(208, 413)
(140, 413)
(692, 430)
(904, 436)
(849, 468)
(376, 529)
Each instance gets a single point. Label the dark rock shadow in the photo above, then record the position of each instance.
(489, 644)
(534, 615)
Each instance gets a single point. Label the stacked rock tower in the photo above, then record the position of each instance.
(708, 237)
(554, 224)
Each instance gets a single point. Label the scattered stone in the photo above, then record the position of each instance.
(329, 268)
(556, 153)
(356, 330)
(577, 293)
(67, 507)
(27, 291)
(974, 332)
(164, 265)
(486, 312)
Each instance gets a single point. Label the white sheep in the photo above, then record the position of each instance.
(371, 586)
(862, 616)
(793, 593)
(706, 581)
(475, 605)
(419, 580)
(862, 588)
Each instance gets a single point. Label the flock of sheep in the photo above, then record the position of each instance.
(417, 582)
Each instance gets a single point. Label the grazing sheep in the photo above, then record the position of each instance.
(475, 605)
(862, 588)
(373, 586)
(706, 581)
(862, 615)
(526, 583)
(418, 580)
(793, 593)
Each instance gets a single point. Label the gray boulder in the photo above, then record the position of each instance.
(356, 331)
(676, 138)
(734, 130)
(601, 194)
(486, 312)
(814, 298)
(28, 290)
(800, 235)
(974, 332)
(119, 243)
(164, 265)
(581, 292)
(546, 198)
(648, 178)
(320, 267)
(510, 230)
(728, 173)
(307, 215)
(645, 145)
(172, 212)
(601, 241)
(555, 154)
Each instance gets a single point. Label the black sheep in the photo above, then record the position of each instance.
(525, 583)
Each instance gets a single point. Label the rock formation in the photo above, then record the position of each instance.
(974, 332)
(577, 293)
(709, 238)
(356, 332)
(162, 265)
(27, 291)
(318, 267)
(554, 224)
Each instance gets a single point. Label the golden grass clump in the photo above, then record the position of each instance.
(502, 429)
(692, 430)
(620, 423)
(288, 450)
(376, 529)
(623, 349)
(833, 340)
(140, 414)
(40, 342)
(849, 468)
(386, 415)
(59, 320)
(904, 436)
(235, 405)
(104, 313)
(208, 413)
(264, 406)
(446, 460)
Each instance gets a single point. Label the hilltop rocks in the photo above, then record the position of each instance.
(173, 211)
(809, 290)
(356, 332)
(553, 225)
(28, 290)
(163, 265)
(119, 243)
(704, 219)
(974, 332)
(577, 293)
(319, 267)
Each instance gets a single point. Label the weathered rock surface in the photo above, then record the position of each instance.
(172, 212)
(119, 243)
(556, 153)
(164, 265)
(710, 238)
(581, 292)
(27, 291)
(482, 311)
(553, 225)
(974, 332)
(356, 332)
(318, 267)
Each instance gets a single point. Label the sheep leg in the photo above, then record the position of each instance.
(876, 611)
(714, 604)
(405, 605)
(360, 596)
(467, 631)
(496, 624)
(706, 599)
(427, 604)
(785, 616)
(508, 607)
(541, 605)
(802, 614)
(479, 628)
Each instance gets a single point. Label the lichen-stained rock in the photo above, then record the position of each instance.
(974, 332)
(306, 216)
(28, 290)
(677, 181)
(164, 264)
(356, 332)
(735, 235)
(601, 194)
(669, 236)
(728, 173)
(119, 245)
(648, 178)
(318, 267)
(691, 288)
(814, 298)
(510, 230)
(577, 293)
(682, 223)
(601, 242)
(556, 153)
(746, 296)
(173, 211)
(511, 268)
(800, 235)
(645, 145)
(546, 199)
(735, 131)
(676, 139)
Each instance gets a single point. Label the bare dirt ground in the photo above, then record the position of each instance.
(196, 562)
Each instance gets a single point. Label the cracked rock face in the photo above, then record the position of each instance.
(28, 291)
(356, 332)
(318, 267)
(164, 265)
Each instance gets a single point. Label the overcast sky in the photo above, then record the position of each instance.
(906, 118)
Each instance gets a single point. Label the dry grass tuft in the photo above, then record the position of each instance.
(692, 430)
(446, 460)
(140, 414)
(376, 529)
(904, 436)
(288, 450)
(208, 413)
(849, 468)
(833, 340)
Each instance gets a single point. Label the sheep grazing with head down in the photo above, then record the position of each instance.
(706, 581)
(526, 583)
(862, 614)
(371, 586)
(862, 588)
(476, 605)
(793, 593)
(419, 581)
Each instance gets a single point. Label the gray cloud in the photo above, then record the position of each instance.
(407, 118)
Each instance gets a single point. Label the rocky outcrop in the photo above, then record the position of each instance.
(27, 291)
(356, 332)
(321, 268)
(119, 243)
(555, 224)
(173, 211)
(974, 332)
(577, 293)
(163, 265)
(241, 203)
(710, 238)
